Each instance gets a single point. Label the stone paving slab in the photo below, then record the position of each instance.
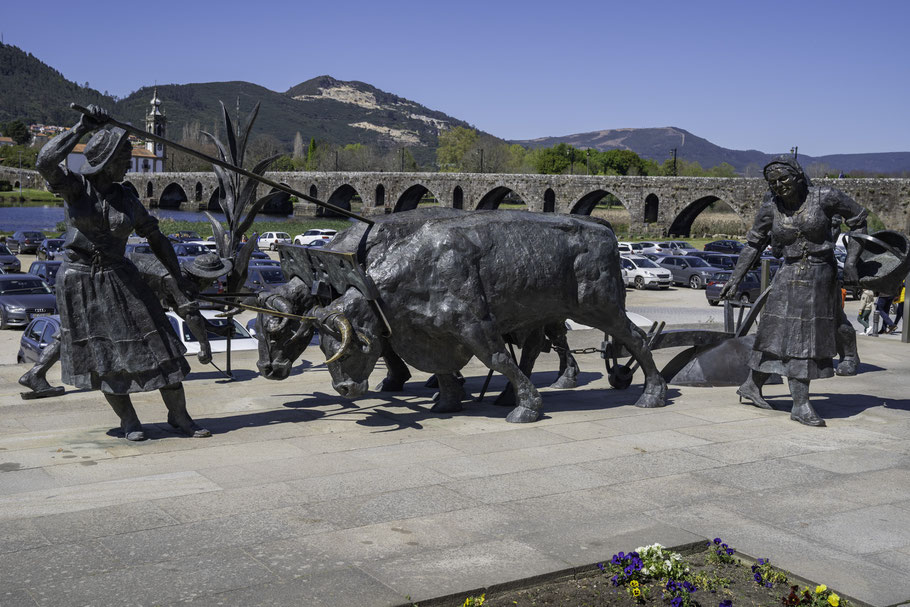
(303, 497)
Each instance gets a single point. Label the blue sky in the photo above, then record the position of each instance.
(830, 77)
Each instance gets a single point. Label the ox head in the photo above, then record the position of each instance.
(283, 340)
(351, 339)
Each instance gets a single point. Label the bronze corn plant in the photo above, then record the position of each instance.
(237, 198)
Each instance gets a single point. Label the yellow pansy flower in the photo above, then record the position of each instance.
(637, 592)
(820, 589)
(634, 583)
(833, 600)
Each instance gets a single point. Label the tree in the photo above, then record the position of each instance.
(17, 131)
(312, 160)
(454, 145)
(298, 146)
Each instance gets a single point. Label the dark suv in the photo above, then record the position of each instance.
(748, 291)
(25, 241)
(725, 246)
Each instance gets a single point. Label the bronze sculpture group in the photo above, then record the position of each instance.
(432, 288)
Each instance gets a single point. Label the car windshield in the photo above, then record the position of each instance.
(33, 235)
(272, 276)
(4, 250)
(645, 263)
(51, 271)
(24, 286)
(216, 329)
(194, 249)
(54, 245)
(697, 262)
(684, 245)
(721, 276)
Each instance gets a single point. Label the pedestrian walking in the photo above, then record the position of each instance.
(866, 305)
(883, 307)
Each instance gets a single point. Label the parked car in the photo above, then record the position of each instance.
(25, 241)
(692, 271)
(189, 250)
(718, 260)
(725, 246)
(240, 337)
(625, 248)
(656, 257)
(142, 248)
(273, 239)
(640, 248)
(50, 248)
(748, 291)
(641, 273)
(316, 244)
(39, 334)
(45, 270)
(314, 235)
(675, 247)
(184, 236)
(22, 298)
(264, 278)
(8, 261)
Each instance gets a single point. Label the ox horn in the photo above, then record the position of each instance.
(347, 335)
(280, 304)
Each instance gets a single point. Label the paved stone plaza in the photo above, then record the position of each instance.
(304, 498)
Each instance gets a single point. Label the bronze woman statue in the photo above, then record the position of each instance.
(114, 334)
(797, 332)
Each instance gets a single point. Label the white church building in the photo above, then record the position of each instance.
(149, 157)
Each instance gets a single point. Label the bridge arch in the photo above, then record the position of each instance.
(171, 196)
(280, 204)
(492, 199)
(652, 208)
(457, 198)
(341, 197)
(149, 190)
(684, 220)
(380, 196)
(549, 201)
(411, 197)
(214, 204)
(314, 191)
(198, 192)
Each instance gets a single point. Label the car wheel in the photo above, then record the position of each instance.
(744, 299)
(639, 282)
(272, 247)
(695, 281)
(19, 359)
(3, 324)
(713, 302)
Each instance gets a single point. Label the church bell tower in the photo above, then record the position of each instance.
(156, 122)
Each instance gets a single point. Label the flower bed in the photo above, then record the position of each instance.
(654, 575)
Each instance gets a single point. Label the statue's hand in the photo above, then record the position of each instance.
(96, 119)
(729, 289)
(851, 276)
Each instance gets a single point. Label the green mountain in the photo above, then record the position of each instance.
(658, 144)
(342, 113)
(35, 93)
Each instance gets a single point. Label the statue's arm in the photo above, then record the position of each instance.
(855, 217)
(56, 150)
(756, 241)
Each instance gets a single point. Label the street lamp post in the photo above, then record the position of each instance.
(336, 161)
(481, 160)
(674, 161)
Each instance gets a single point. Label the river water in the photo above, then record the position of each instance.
(46, 218)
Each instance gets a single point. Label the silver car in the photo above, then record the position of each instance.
(686, 270)
(22, 298)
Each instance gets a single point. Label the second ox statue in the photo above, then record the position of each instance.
(450, 286)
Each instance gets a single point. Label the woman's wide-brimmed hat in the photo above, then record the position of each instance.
(208, 265)
(101, 147)
(883, 261)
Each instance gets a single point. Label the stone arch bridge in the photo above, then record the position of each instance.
(656, 205)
